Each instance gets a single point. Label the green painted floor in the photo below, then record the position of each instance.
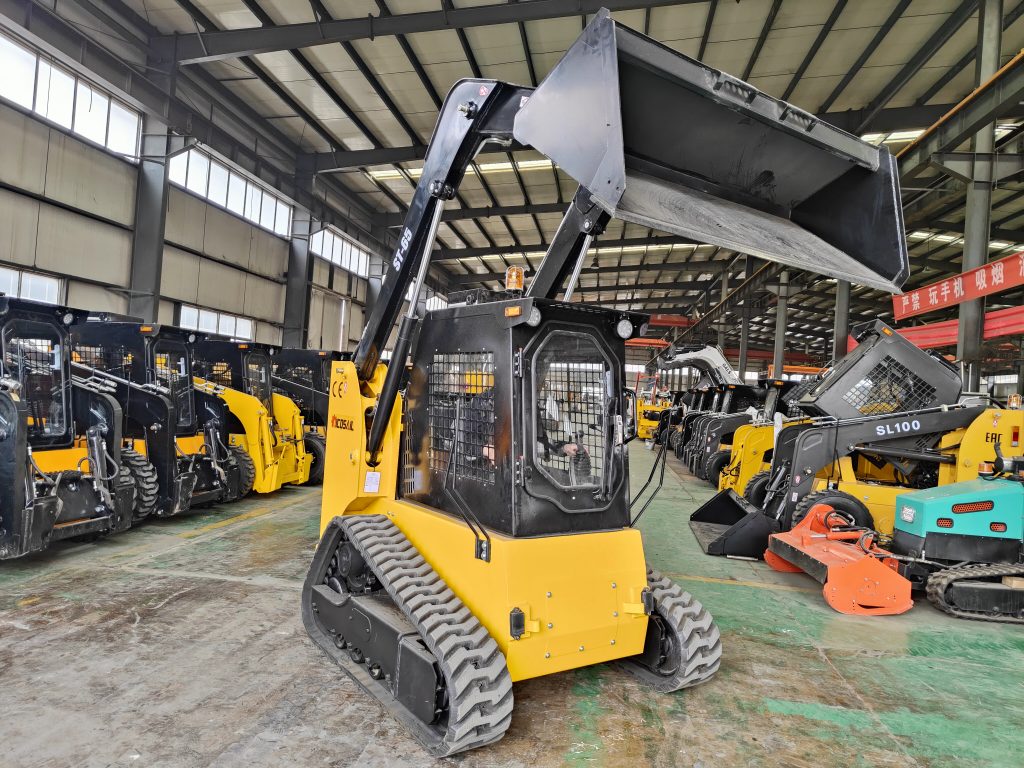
(180, 644)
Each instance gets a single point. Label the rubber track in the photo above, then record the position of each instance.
(246, 471)
(476, 677)
(147, 486)
(697, 637)
(940, 581)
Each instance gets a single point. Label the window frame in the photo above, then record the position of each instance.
(254, 203)
(78, 82)
(237, 321)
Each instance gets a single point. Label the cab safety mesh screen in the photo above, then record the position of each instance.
(34, 362)
(460, 413)
(171, 369)
(115, 360)
(890, 387)
(257, 379)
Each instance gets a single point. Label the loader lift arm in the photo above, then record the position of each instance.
(475, 113)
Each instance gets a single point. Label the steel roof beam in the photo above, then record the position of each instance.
(939, 38)
(448, 254)
(675, 267)
(1001, 97)
(885, 120)
(822, 34)
(951, 72)
(876, 41)
(233, 44)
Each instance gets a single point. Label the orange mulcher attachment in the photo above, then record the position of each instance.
(859, 577)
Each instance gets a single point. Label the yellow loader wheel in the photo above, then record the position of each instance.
(246, 471)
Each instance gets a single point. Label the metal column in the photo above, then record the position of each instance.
(842, 322)
(978, 212)
(298, 280)
(781, 310)
(150, 220)
(745, 317)
(741, 367)
(722, 324)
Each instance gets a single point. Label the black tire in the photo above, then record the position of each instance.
(246, 471)
(316, 447)
(715, 465)
(147, 485)
(673, 439)
(838, 500)
(757, 488)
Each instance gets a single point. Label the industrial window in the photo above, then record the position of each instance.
(35, 83)
(30, 285)
(331, 245)
(212, 180)
(211, 321)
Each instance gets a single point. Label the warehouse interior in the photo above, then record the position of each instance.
(278, 278)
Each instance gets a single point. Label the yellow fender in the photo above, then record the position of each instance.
(277, 448)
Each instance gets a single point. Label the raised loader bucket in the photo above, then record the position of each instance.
(727, 524)
(662, 140)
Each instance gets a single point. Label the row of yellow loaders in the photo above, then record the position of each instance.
(106, 422)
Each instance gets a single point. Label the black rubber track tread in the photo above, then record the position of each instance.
(246, 471)
(940, 581)
(760, 477)
(715, 465)
(697, 637)
(476, 676)
(319, 457)
(147, 485)
(822, 497)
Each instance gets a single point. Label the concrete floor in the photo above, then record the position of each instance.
(180, 644)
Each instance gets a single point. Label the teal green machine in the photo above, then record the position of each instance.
(964, 543)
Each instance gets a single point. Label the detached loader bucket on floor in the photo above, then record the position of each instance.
(662, 140)
(727, 524)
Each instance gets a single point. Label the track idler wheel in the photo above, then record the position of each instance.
(683, 646)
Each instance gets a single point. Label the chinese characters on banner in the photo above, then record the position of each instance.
(995, 277)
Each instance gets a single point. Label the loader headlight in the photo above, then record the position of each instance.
(68, 318)
(624, 328)
(191, 338)
(534, 318)
(907, 514)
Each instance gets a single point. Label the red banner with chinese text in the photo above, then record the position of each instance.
(995, 277)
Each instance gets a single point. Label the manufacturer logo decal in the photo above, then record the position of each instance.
(339, 423)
